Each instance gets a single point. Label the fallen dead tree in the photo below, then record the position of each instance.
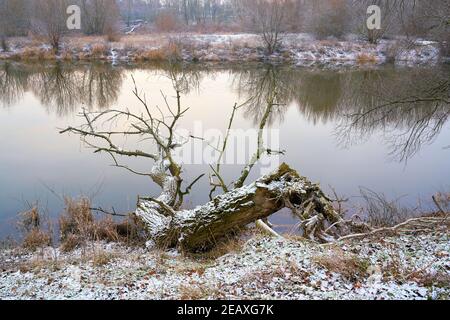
(235, 208)
(239, 204)
(204, 225)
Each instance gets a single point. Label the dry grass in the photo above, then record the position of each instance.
(348, 265)
(66, 56)
(171, 51)
(132, 231)
(427, 279)
(365, 58)
(37, 264)
(382, 212)
(102, 258)
(35, 54)
(197, 291)
(112, 35)
(78, 225)
(232, 244)
(99, 50)
(151, 55)
(31, 225)
(77, 219)
(36, 239)
(71, 242)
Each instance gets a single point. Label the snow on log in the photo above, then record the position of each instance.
(205, 225)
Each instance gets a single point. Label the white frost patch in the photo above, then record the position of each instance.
(266, 268)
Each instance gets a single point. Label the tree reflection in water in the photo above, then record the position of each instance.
(60, 87)
(409, 106)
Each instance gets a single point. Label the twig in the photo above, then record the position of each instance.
(189, 188)
(113, 213)
(438, 205)
(393, 229)
(166, 207)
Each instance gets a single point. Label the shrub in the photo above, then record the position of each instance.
(78, 225)
(3, 44)
(332, 20)
(36, 239)
(112, 35)
(31, 225)
(99, 50)
(382, 212)
(364, 58)
(167, 21)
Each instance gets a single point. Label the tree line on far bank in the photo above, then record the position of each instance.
(270, 18)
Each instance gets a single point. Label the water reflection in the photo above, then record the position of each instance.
(60, 87)
(13, 83)
(409, 105)
(410, 108)
(406, 108)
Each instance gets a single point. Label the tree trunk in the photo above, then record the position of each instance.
(205, 225)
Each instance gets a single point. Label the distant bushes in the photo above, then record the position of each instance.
(167, 21)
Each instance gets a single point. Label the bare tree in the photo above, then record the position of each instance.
(269, 18)
(99, 16)
(238, 206)
(13, 20)
(3, 24)
(50, 19)
(327, 18)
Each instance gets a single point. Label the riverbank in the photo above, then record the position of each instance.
(414, 266)
(297, 49)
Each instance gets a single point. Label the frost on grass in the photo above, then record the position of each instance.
(300, 49)
(404, 267)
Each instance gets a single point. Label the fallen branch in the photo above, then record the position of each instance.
(267, 229)
(429, 222)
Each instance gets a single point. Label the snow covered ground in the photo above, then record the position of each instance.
(297, 49)
(404, 267)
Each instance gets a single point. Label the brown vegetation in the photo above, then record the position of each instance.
(167, 21)
(348, 265)
(364, 58)
(99, 50)
(78, 226)
(36, 235)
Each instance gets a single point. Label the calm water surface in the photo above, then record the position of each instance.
(339, 127)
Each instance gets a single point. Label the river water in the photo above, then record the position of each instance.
(382, 128)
